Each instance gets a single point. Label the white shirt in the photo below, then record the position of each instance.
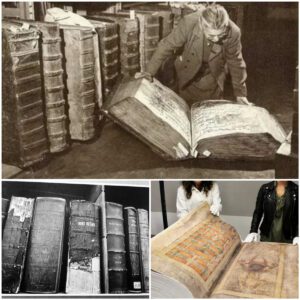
(185, 205)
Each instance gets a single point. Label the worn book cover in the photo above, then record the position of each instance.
(132, 249)
(84, 249)
(213, 128)
(5, 206)
(44, 259)
(24, 137)
(14, 242)
(52, 81)
(128, 40)
(205, 255)
(80, 63)
(143, 224)
(113, 263)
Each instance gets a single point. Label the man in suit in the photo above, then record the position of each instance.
(210, 46)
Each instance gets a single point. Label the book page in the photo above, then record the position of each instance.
(167, 105)
(217, 118)
(261, 270)
(195, 250)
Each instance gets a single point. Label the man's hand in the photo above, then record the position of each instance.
(243, 100)
(145, 75)
(251, 237)
(296, 241)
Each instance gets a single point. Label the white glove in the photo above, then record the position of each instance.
(251, 237)
(244, 100)
(296, 241)
(215, 209)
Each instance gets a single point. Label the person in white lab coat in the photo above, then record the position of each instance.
(191, 194)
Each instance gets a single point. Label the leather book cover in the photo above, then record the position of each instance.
(148, 36)
(44, 259)
(132, 249)
(52, 81)
(5, 206)
(143, 225)
(128, 40)
(24, 137)
(84, 249)
(14, 242)
(107, 31)
(166, 17)
(116, 253)
(78, 47)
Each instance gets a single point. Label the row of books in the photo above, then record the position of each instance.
(57, 76)
(108, 247)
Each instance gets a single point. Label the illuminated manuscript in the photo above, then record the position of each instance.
(205, 254)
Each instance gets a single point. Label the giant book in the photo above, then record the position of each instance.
(148, 35)
(52, 81)
(84, 249)
(44, 259)
(78, 50)
(107, 31)
(164, 14)
(143, 224)
(113, 248)
(214, 128)
(14, 243)
(128, 40)
(203, 256)
(132, 249)
(24, 137)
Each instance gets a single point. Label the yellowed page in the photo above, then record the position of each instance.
(195, 250)
(261, 270)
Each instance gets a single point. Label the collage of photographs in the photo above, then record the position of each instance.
(150, 150)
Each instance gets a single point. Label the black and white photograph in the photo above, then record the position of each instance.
(149, 90)
(75, 239)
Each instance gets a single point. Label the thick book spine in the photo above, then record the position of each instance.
(144, 247)
(53, 86)
(24, 134)
(149, 37)
(43, 264)
(84, 249)
(5, 206)
(116, 254)
(128, 40)
(132, 249)
(79, 61)
(109, 54)
(14, 243)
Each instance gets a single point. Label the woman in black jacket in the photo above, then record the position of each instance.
(277, 205)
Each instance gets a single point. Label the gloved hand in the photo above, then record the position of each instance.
(215, 209)
(145, 75)
(251, 237)
(296, 241)
(244, 100)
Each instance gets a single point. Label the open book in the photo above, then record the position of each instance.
(201, 256)
(216, 128)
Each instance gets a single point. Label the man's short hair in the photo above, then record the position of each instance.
(214, 16)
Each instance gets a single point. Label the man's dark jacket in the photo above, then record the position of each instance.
(189, 35)
(266, 206)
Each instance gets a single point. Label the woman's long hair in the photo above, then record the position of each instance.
(205, 186)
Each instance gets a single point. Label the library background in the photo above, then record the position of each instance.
(69, 94)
